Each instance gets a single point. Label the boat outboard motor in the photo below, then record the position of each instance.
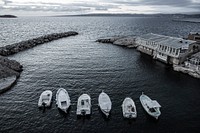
(44, 104)
(83, 112)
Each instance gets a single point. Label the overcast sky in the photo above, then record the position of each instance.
(61, 7)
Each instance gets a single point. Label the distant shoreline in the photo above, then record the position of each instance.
(131, 15)
(190, 20)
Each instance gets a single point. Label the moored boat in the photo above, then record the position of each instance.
(105, 103)
(45, 99)
(129, 108)
(84, 105)
(152, 107)
(63, 100)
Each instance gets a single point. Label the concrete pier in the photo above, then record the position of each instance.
(6, 83)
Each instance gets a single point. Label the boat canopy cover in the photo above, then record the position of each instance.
(153, 104)
(45, 97)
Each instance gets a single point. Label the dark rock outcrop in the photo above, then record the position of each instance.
(108, 40)
(17, 47)
(120, 41)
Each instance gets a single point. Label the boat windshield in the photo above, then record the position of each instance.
(132, 109)
(152, 110)
(64, 103)
(82, 102)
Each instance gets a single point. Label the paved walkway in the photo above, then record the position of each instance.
(6, 83)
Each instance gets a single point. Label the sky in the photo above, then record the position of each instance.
(73, 7)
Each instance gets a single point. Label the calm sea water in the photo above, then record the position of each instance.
(80, 65)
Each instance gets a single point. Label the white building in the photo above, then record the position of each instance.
(165, 48)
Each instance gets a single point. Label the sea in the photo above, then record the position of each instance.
(81, 65)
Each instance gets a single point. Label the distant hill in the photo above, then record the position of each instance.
(8, 16)
(108, 15)
(135, 15)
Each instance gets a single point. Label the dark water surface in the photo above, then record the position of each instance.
(81, 65)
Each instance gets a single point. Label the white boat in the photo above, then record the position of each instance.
(63, 100)
(129, 108)
(152, 107)
(45, 99)
(105, 103)
(84, 105)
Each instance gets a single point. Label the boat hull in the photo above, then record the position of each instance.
(144, 99)
(105, 103)
(63, 101)
(84, 105)
(45, 99)
(129, 108)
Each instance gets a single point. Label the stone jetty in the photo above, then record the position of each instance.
(10, 69)
(17, 47)
(128, 41)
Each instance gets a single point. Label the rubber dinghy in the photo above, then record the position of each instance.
(152, 107)
(129, 108)
(84, 105)
(63, 100)
(45, 99)
(105, 103)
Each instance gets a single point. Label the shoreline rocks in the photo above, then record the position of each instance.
(120, 41)
(17, 47)
(193, 73)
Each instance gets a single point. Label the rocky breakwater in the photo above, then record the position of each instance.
(10, 69)
(17, 47)
(120, 41)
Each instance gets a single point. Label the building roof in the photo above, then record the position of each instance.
(167, 40)
(197, 55)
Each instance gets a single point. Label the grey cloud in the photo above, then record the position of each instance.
(101, 5)
(47, 8)
(57, 7)
(101, 9)
(86, 5)
(6, 2)
(175, 3)
(159, 4)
